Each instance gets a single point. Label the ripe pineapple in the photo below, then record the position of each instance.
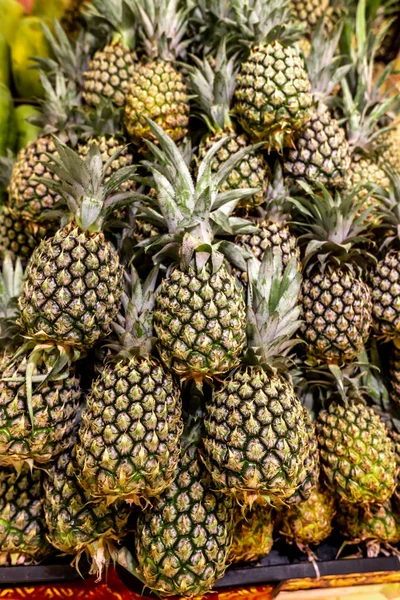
(256, 435)
(22, 527)
(76, 525)
(131, 426)
(357, 456)
(156, 89)
(252, 534)
(389, 148)
(336, 301)
(273, 94)
(320, 153)
(309, 12)
(17, 236)
(310, 521)
(73, 284)
(183, 539)
(110, 71)
(199, 316)
(213, 87)
(377, 525)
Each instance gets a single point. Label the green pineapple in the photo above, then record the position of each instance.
(256, 435)
(213, 87)
(309, 12)
(252, 534)
(75, 525)
(22, 525)
(273, 94)
(131, 426)
(157, 90)
(183, 539)
(336, 301)
(74, 281)
(199, 315)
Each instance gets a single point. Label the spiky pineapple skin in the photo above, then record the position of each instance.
(320, 153)
(366, 169)
(17, 236)
(389, 151)
(74, 523)
(255, 436)
(199, 318)
(385, 292)
(252, 534)
(336, 313)
(357, 455)
(273, 94)
(28, 198)
(311, 466)
(22, 527)
(54, 407)
(309, 12)
(251, 172)
(374, 522)
(310, 521)
(157, 91)
(73, 288)
(394, 374)
(109, 75)
(130, 432)
(183, 540)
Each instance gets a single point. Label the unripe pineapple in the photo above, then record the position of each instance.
(157, 90)
(75, 524)
(213, 87)
(256, 435)
(199, 315)
(252, 534)
(131, 426)
(357, 456)
(311, 466)
(22, 526)
(310, 521)
(73, 285)
(183, 539)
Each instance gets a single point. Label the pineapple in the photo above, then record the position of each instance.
(256, 435)
(310, 521)
(199, 315)
(110, 71)
(131, 426)
(156, 89)
(22, 526)
(394, 374)
(252, 534)
(73, 286)
(336, 301)
(183, 539)
(17, 236)
(309, 12)
(273, 93)
(377, 525)
(390, 148)
(213, 87)
(357, 455)
(76, 525)
(320, 153)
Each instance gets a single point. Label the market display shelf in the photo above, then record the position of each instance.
(55, 570)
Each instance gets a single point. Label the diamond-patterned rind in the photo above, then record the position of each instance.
(73, 288)
(273, 94)
(385, 292)
(109, 75)
(375, 522)
(309, 522)
(200, 319)
(130, 431)
(255, 435)
(309, 11)
(157, 91)
(336, 314)
(357, 455)
(183, 540)
(252, 534)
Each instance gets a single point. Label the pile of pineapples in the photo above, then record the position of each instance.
(200, 289)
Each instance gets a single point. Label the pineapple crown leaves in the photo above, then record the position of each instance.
(163, 27)
(388, 210)
(6, 168)
(104, 119)
(334, 227)
(90, 198)
(210, 22)
(115, 17)
(193, 212)
(277, 199)
(213, 86)
(265, 21)
(134, 325)
(69, 57)
(11, 279)
(273, 310)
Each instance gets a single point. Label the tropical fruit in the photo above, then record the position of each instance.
(252, 534)
(131, 426)
(12, 12)
(4, 61)
(183, 539)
